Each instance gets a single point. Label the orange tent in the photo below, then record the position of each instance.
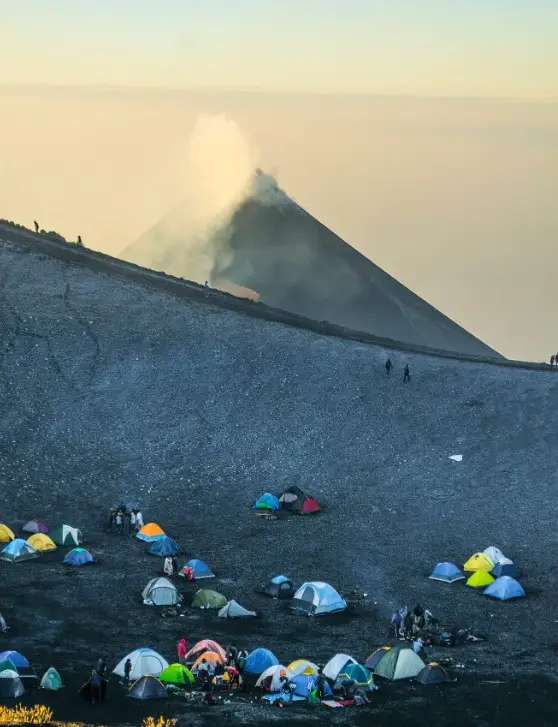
(205, 645)
(150, 532)
(211, 657)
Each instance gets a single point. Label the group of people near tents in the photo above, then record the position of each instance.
(125, 519)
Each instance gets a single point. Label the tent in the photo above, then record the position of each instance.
(304, 685)
(317, 598)
(357, 673)
(504, 569)
(504, 588)
(147, 687)
(150, 533)
(372, 661)
(400, 662)
(144, 661)
(271, 678)
(17, 659)
(303, 666)
(280, 587)
(336, 665)
(205, 645)
(66, 535)
(446, 572)
(267, 502)
(480, 579)
(433, 673)
(259, 660)
(160, 592)
(5, 534)
(200, 570)
(494, 554)
(41, 542)
(479, 561)
(11, 686)
(177, 674)
(78, 556)
(235, 610)
(7, 664)
(51, 680)
(35, 526)
(164, 546)
(212, 658)
(295, 500)
(206, 598)
(17, 551)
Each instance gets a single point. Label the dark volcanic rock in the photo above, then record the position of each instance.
(110, 390)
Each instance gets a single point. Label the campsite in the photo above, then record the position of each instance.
(199, 427)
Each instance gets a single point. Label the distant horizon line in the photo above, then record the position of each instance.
(263, 91)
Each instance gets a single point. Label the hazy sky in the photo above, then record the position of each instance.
(433, 47)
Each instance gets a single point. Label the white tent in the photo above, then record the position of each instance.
(144, 661)
(495, 555)
(11, 685)
(51, 680)
(336, 665)
(316, 598)
(275, 672)
(160, 592)
(235, 610)
(456, 457)
(399, 663)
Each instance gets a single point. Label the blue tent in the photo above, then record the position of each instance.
(199, 569)
(504, 569)
(78, 556)
(15, 657)
(164, 546)
(17, 550)
(504, 588)
(304, 684)
(317, 598)
(259, 660)
(446, 572)
(267, 502)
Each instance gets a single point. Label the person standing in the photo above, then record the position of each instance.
(128, 671)
(181, 651)
(96, 683)
(406, 374)
(389, 366)
(36, 226)
(139, 520)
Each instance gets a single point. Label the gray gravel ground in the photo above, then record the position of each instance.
(110, 390)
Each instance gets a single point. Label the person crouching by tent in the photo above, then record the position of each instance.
(234, 676)
(188, 572)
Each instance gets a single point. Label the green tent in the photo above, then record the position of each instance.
(177, 674)
(8, 664)
(358, 673)
(51, 680)
(206, 598)
(400, 662)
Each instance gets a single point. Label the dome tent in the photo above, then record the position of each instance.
(150, 533)
(357, 673)
(5, 534)
(235, 610)
(372, 661)
(144, 661)
(212, 658)
(280, 587)
(79, 556)
(303, 666)
(272, 677)
(147, 687)
(201, 647)
(399, 662)
(336, 665)
(206, 598)
(11, 686)
(41, 542)
(17, 659)
(504, 569)
(200, 570)
(478, 561)
(164, 546)
(267, 502)
(504, 588)
(18, 550)
(34, 526)
(447, 573)
(305, 684)
(51, 680)
(433, 673)
(494, 554)
(479, 579)
(160, 592)
(317, 598)
(177, 674)
(66, 535)
(297, 501)
(259, 660)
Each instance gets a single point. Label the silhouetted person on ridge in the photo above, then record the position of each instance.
(552, 360)
(79, 242)
(206, 289)
(406, 374)
(36, 226)
(389, 366)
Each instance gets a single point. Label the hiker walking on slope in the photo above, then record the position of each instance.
(389, 366)
(406, 374)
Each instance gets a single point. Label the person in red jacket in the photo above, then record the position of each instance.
(182, 650)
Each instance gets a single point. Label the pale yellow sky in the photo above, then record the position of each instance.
(455, 198)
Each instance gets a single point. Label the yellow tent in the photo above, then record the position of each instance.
(5, 534)
(302, 666)
(479, 561)
(40, 541)
(480, 579)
